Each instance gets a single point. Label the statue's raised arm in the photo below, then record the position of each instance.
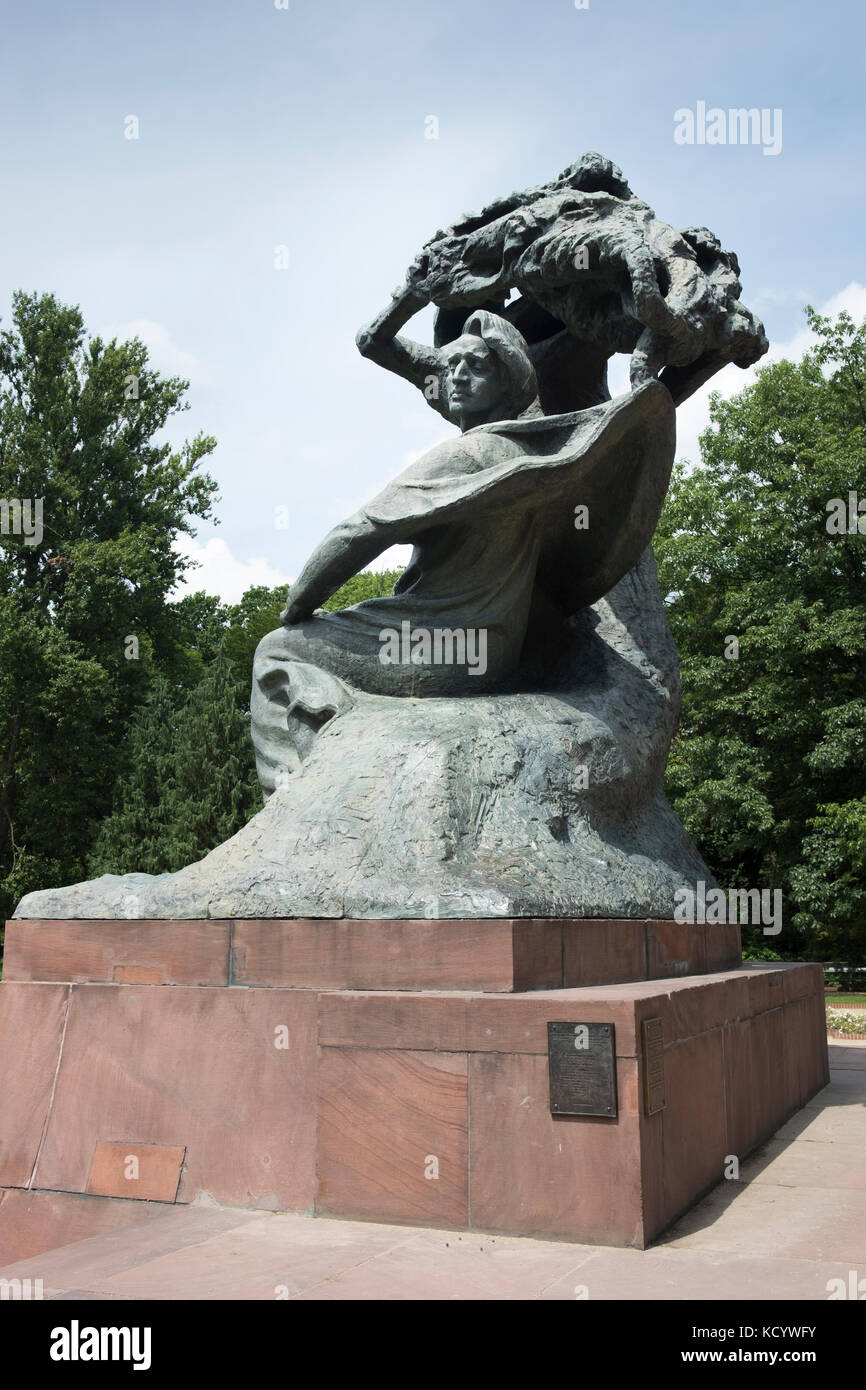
(381, 341)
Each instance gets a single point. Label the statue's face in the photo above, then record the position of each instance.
(474, 382)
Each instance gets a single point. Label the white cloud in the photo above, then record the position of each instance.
(396, 557)
(347, 504)
(617, 374)
(693, 416)
(163, 352)
(219, 572)
(852, 298)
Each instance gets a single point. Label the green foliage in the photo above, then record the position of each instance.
(368, 584)
(191, 782)
(848, 1022)
(767, 771)
(756, 952)
(214, 790)
(830, 883)
(204, 622)
(135, 836)
(78, 420)
(247, 623)
(200, 624)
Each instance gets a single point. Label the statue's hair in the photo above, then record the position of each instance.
(509, 347)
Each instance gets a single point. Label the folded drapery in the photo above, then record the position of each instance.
(491, 522)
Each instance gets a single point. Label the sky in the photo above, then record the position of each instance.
(304, 125)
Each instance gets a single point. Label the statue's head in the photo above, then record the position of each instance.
(489, 374)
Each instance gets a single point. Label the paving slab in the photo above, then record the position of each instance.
(32, 1222)
(846, 1087)
(683, 1275)
(447, 1266)
(809, 1223)
(849, 1057)
(795, 1165)
(274, 1257)
(837, 1123)
(100, 1257)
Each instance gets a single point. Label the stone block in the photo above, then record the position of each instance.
(145, 1172)
(169, 953)
(190, 1068)
(393, 1136)
(32, 1021)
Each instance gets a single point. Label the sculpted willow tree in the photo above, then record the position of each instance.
(78, 421)
(498, 727)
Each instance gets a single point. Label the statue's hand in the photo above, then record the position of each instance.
(416, 275)
(405, 302)
(295, 611)
(647, 360)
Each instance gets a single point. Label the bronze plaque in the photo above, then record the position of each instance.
(582, 1061)
(653, 1044)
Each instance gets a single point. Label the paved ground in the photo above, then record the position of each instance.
(795, 1220)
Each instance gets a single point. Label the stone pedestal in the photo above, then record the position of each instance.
(391, 1070)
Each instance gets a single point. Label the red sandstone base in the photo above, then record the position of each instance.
(499, 954)
(170, 1062)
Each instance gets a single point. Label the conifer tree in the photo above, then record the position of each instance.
(214, 790)
(134, 838)
(191, 780)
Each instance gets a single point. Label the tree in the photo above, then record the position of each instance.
(90, 505)
(191, 782)
(367, 584)
(205, 622)
(830, 882)
(136, 836)
(768, 608)
(200, 623)
(214, 790)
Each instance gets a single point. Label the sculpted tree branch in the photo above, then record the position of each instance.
(596, 260)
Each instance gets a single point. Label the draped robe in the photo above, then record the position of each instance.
(491, 516)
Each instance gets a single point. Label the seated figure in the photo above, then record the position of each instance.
(518, 496)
